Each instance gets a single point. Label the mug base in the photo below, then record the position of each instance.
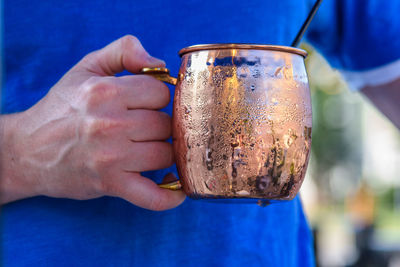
(246, 201)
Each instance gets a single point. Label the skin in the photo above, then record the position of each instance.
(93, 134)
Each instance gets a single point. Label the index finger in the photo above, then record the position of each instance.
(126, 53)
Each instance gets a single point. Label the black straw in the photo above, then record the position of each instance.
(303, 29)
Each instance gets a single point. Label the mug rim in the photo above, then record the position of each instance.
(280, 48)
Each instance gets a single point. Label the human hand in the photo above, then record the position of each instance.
(93, 134)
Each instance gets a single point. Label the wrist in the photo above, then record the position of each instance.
(15, 182)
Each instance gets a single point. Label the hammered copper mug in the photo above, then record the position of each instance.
(241, 121)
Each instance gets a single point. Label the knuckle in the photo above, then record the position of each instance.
(129, 41)
(163, 154)
(97, 90)
(162, 124)
(93, 127)
(165, 118)
(102, 161)
(164, 95)
(156, 117)
(91, 82)
(96, 127)
(156, 92)
(171, 155)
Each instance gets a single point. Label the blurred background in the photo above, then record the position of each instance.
(351, 193)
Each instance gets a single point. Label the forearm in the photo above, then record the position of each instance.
(386, 98)
(14, 181)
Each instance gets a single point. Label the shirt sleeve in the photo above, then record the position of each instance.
(361, 38)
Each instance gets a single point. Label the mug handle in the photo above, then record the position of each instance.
(162, 74)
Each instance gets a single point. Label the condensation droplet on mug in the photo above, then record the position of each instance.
(209, 159)
(288, 72)
(187, 110)
(288, 139)
(256, 73)
(277, 71)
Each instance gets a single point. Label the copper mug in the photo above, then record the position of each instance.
(241, 121)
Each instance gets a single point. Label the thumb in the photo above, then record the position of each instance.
(126, 53)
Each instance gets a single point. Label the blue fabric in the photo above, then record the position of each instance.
(112, 232)
(357, 35)
(42, 40)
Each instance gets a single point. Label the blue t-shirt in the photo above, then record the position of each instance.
(42, 41)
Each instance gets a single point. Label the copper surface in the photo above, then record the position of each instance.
(200, 47)
(241, 122)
